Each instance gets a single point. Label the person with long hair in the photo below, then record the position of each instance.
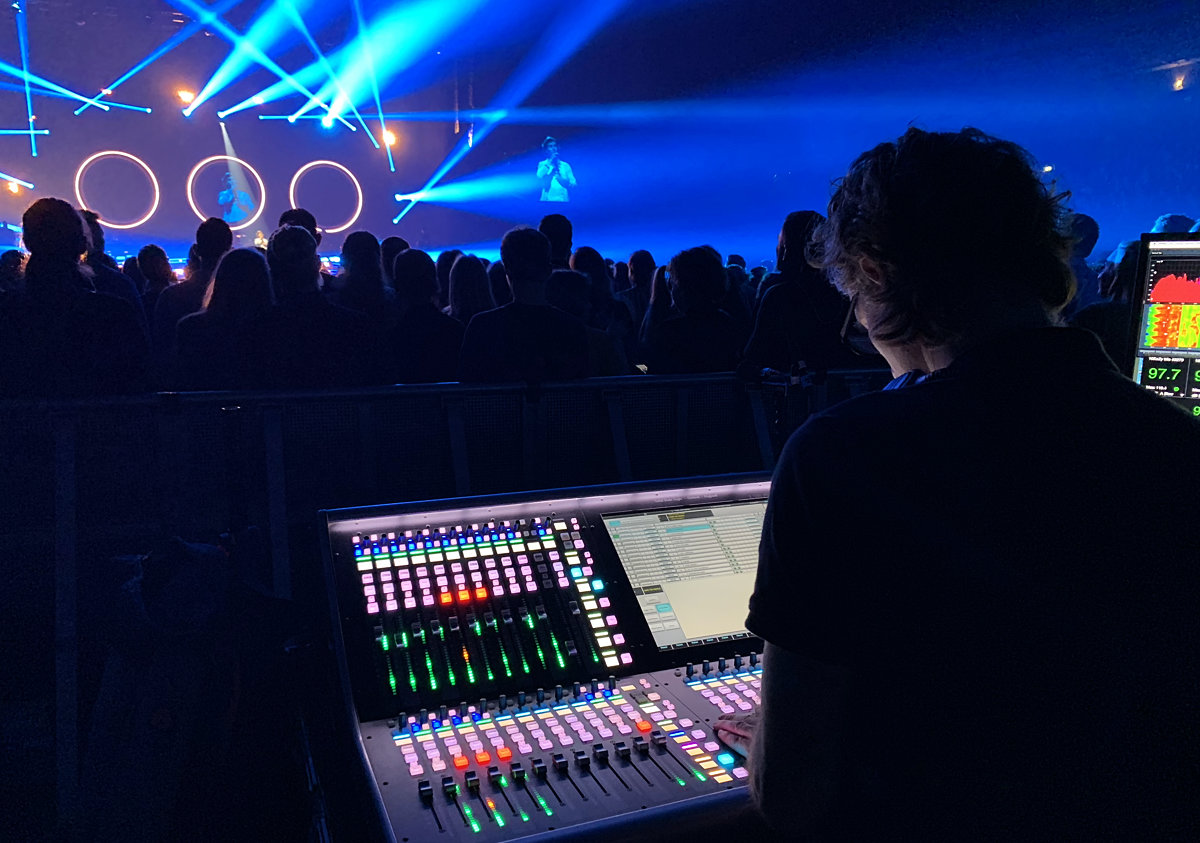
(470, 292)
(209, 344)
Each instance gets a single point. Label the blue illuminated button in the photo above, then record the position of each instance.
(725, 760)
(597, 585)
(576, 573)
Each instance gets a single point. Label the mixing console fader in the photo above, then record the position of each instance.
(541, 664)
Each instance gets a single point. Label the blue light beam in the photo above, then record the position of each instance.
(23, 40)
(22, 182)
(298, 22)
(369, 58)
(189, 29)
(230, 35)
(568, 33)
(14, 71)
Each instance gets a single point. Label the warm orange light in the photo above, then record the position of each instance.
(185, 96)
(1179, 80)
(14, 188)
(389, 137)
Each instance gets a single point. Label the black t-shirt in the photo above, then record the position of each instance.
(694, 343)
(308, 343)
(1005, 557)
(800, 320)
(70, 344)
(524, 342)
(423, 346)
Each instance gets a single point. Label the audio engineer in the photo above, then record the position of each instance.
(976, 592)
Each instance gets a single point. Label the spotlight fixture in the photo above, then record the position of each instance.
(1179, 82)
(185, 96)
(14, 188)
(389, 137)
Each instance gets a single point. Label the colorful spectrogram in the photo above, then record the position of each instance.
(1173, 325)
(1176, 289)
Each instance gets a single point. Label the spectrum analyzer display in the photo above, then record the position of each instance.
(1168, 341)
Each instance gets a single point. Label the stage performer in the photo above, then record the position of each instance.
(236, 205)
(554, 174)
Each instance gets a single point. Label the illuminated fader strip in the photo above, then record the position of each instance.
(490, 568)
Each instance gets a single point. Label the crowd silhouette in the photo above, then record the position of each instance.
(73, 324)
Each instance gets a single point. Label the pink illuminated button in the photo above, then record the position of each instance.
(712, 746)
(626, 658)
(524, 748)
(740, 772)
(438, 765)
(579, 543)
(393, 606)
(545, 744)
(369, 590)
(605, 602)
(427, 600)
(610, 620)
(415, 770)
(685, 723)
(372, 608)
(563, 582)
(618, 639)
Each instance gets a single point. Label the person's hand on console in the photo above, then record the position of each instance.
(737, 731)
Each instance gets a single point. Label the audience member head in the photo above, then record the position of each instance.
(943, 238)
(12, 271)
(52, 229)
(445, 262)
(469, 289)
(560, 233)
(697, 279)
(1085, 231)
(388, 249)
(570, 290)
(641, 268)
(588, 261)
(792, 251)
(498, 282)
(738, 279)
(1119, 276)
(757, 274)
(620, 273)
(293, 261)
(303, 219)
(525, 253)
(240, 288)
(213, 239)
(736, 260)
(96, 245)
(133, 272)
(362, 261)
(415, 276)
(155, 267)
(1172, 224)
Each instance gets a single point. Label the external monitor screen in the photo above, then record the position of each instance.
(692, 569)
(1168, 342)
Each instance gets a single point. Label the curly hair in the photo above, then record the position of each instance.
(956, 222)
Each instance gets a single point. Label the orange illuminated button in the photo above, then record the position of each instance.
(504, 753)
(644, 726)
(464, 595)
(480, 593)
(445, 597)
(482, 757)
(461, 762)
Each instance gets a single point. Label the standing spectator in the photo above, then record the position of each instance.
(12, 271)
(360, 285)
(470, 292)
(560, 233)
(211, 344)
(445, 262)
(305, 341)
(423, 347)
(58, 338)
(526, 340)
(105, 276)
(155, 269)
(702, 338)
(213, 239)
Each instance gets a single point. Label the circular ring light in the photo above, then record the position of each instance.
(91, 159)
(262, 189)
(336, 166)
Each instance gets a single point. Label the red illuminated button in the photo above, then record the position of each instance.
(644, 726)
(446, 597)
(504, 753)
(464, 596)
(480, 593)
(461, 762)
(482, 757)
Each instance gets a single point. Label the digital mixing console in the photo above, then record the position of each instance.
(539, 664)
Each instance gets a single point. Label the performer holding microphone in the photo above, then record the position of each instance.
(554, 174)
